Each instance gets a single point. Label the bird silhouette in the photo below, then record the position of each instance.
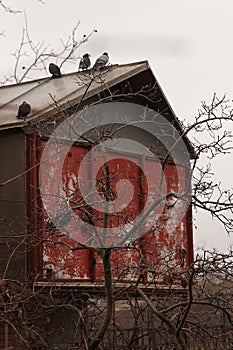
(54, 70)
(101, 62)
(23, 110)
(85, 62)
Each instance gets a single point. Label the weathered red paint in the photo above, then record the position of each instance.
(33, 207)
(63, 258)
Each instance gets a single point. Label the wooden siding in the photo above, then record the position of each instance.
(58, 257)
(12, 205)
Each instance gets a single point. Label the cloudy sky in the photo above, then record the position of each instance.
(187, 43)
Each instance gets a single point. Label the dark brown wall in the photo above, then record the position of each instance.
(12, 203)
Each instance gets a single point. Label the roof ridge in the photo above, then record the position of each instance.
(72, 73)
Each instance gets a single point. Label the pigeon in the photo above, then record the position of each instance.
(85, 61)
(54, 70)
(101, 61)
(24, 110)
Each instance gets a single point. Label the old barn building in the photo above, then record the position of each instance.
(119, 124)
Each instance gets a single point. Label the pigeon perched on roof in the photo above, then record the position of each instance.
(101, 61)
(54, 70)
(24, 110)
(85, 61)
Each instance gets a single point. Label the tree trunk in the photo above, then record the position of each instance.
(106, 256)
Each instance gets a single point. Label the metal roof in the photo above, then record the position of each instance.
(46, 94)
(41, 94)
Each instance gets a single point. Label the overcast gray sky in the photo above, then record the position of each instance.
(187, 43)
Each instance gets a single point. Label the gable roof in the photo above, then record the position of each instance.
(69, 88)
(44, 94)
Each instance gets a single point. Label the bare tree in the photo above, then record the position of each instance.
(195, 293)
(32, 59)
(126, 312)
(7, 8)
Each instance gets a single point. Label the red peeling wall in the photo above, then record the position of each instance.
(62, 258)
